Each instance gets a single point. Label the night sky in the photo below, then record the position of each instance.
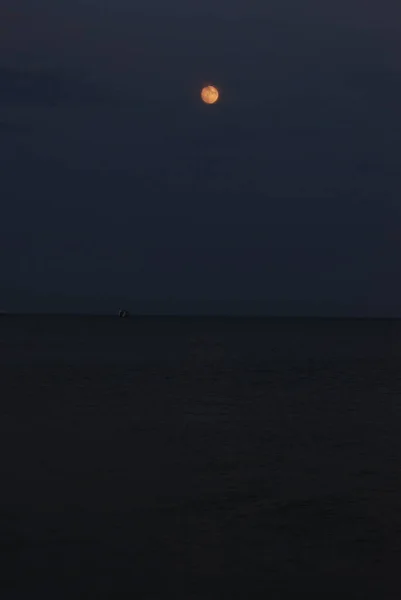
(120, 187)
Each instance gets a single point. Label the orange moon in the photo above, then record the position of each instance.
(210, 94)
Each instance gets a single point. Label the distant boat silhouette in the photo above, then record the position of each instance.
(123, 314)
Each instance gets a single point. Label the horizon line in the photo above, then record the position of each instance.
(199, 315)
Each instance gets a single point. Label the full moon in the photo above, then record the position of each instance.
(210, 94)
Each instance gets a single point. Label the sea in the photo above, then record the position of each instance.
(199, 458)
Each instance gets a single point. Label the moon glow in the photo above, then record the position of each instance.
(210, 94)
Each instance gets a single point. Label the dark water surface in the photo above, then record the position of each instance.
(200, 458)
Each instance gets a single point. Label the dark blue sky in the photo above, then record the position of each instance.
(119, 186)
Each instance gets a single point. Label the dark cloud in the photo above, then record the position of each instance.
(12, 128)
(45, 87)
